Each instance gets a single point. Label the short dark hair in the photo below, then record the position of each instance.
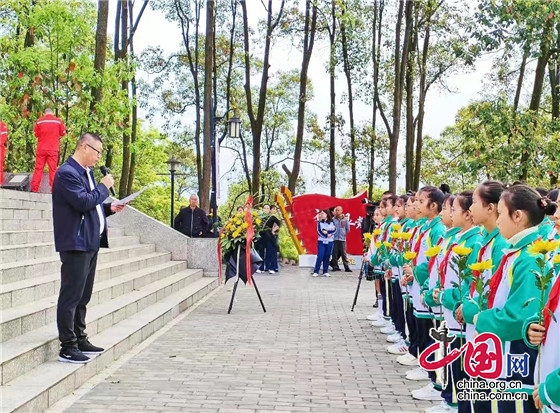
(553, 195)
(434, 194)
(465, 199)
(524, 198)
(392, 198)
(490, 192)
(89, 135)
(445, 188)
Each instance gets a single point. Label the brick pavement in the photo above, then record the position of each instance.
(308, 353)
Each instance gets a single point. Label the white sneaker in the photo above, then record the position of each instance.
(314, 274)
(390, 329)
(259, 271)
(381, 322)
(398, 348)
(326, 274)
(271, 271)
(407, 360)
(427, 393)
(443, 407)
(417, 374)
(394, 338)
(373, 317)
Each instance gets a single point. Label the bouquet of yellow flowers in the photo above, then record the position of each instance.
(367, 240)
(236, 241)
(234, 231)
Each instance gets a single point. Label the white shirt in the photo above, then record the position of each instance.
(98, 206)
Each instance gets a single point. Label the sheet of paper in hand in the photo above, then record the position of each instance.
(130, 198)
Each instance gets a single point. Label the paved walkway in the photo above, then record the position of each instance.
(307, 353)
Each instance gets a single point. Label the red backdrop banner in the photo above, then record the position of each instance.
(304, 210)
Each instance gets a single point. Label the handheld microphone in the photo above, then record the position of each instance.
(105, 171)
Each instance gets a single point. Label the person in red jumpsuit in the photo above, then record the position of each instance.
(3, 144)
(48, 130)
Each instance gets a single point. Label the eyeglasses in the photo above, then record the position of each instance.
(96, 150)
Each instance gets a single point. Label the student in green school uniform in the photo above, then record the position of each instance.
(428, 203)
(513, 285)
(433, 390)
(452, 289)
(546, 392)
(484, 210)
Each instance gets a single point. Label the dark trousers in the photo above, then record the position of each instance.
(397, 308)
(76, 285)
(339, 250)
(411, 323)
(261, 250)
(271, 254)
(423, 339)
(385, 295)
(324, 251)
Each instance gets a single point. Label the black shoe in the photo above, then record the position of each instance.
(73, 355)
(88, 348)
(347, 270)
(375, 304)
(335, 269)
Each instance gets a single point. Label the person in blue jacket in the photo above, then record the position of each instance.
(80, 229)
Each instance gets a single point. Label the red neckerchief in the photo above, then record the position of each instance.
(432, 260)
(497, 278)
(476, 274)
(386, 231)
(551, 305)
(444, 263)
(417, 245)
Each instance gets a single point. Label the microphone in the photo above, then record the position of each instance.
(105, 171)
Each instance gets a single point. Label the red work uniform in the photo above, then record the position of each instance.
(48, 130)
(3, 144)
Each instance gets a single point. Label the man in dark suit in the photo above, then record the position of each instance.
(80, 229)
(192, 221)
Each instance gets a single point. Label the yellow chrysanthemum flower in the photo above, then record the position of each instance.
(387, 244)
(481, 266)
(258, 221)
(396, 235)
(542, 247)
(376, 232)
(556, 259)
(409, 255)
(378, 244)
(396, 227)
(367, 236)
(462, 250)
(406, 236)
(433, 251)
(245, 225)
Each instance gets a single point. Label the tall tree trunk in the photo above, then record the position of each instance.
(332, 115)
(123, 55)
(554, 77)
(208, 106)
(377, 33)
(100, 52)
(542, 62)
(308, 43)
(421, 103)
(185, 21)
(348, 74)
(410, 124)
(257, 120)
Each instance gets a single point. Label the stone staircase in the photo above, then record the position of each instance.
(138, 289)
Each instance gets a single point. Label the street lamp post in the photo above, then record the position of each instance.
(234, 131)
(172, 163)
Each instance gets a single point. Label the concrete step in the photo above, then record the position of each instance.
(20, 319)
(26, 269)
(23, 353)
(24, 213)
(13, 237)
(34, 289)
(27, 200)
(29, 251)
(49, 382)
(29, 224)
